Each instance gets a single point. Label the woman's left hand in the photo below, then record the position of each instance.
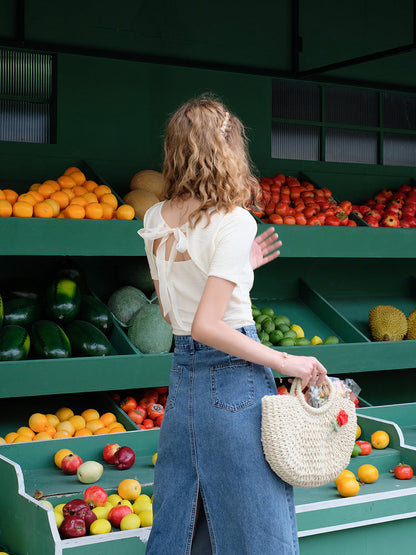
(265, 248)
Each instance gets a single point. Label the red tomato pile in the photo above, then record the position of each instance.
(390, 209)
(285, 200)
(145, 407)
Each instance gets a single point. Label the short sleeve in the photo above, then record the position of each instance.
(148, 245)
(232, 246)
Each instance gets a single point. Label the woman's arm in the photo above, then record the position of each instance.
(156, 284)
(209, 328)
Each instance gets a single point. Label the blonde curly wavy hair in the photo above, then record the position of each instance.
(206, 158)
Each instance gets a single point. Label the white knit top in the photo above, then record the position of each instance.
(220, 249)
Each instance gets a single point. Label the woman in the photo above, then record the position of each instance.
(201, 248)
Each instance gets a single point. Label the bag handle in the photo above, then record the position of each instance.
(296, 390)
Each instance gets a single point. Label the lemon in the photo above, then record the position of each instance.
(380, 439)
(102, 512)
(358, 432)
(100, 526)
(129, 522)
(142, 503)
(59, 517)
(127, 503)
(154, 458)
(299, 331)
(146, 518)
(316, 340)
(2, 441)
(114, 499)
(59, 507)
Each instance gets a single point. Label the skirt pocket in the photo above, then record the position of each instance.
(174, 383)
(232, 384)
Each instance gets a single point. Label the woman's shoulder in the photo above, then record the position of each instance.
(152, 215)
(240, 216)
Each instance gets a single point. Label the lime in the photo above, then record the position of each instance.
(258, 327)
(287, 342)
(276, 336)
(302, 341)
(331, 340)
(268, 344)
(267, 310)
(255, 312)
(268, 326)
(283, 327)
(290, 333)
(316, 340)
(356, 450)
(281, 319)
(299, 331)
(263, 336)
(261, 318)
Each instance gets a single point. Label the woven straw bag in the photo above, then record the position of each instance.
(306, 446)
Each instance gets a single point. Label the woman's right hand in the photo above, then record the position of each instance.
(308, 369)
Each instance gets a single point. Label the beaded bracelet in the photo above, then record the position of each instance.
(284, 355)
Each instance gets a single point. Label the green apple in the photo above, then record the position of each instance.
(90, 472)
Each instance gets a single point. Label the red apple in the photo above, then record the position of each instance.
(109, 452)
(72, 527)
(70, 463)
(124, 458)
(117, 513)
(76, 507)
(95, 496)
(89, 518)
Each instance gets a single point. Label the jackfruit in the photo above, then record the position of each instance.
(387, 323)
(411, 325)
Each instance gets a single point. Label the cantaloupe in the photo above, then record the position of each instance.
(148, 180)
(141, 201)
(135, 271)
(149, 332)
(125, 302)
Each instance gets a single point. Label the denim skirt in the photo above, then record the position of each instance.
(210, 444)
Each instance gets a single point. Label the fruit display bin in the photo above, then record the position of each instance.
(49, 236)
(326, 519)
(29, 468)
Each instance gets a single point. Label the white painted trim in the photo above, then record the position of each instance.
(386, 406)
(141, 533)
(346, 526)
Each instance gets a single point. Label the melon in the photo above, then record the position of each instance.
(135, 271)
(125, 302)
(149, 332)
(148, 180)
(141, 201)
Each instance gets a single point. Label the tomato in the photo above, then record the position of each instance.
(135, 416)
(313, 221)
(295, 193)
(346, 207)
(275, 219)
(289, 220)
(270, 207)
(365, 447)
(299, 206)
(163, 397)
(332, 220)
(282, 209)
(147, 424)
(300, 219)
(145, 402)
(258, 213)
(351, 223)
(327, 192)
(159, 419)
(282, 390)
(155, 410)
(309, 212)
(307, 194)
(129, 403)
(321, 217)
(403, 472)
(115, 397)
(162, 389)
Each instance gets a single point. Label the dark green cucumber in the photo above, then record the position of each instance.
(95, 311)
(62, 300)
(86, 339)
(49, 340)
(14, 343)
(21, 312)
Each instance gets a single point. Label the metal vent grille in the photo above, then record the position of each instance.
(399, 111)
(26, 86)
(399, 150)
(295, 142)
(346, 145)
(296, 101)
(351, 106)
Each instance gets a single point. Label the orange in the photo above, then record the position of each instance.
(102, 190)
(51, 430)
(38, 422)
(125, 212)
(59, 455)
(46, 189)
(60, 215)
(64, 413)
(70, 170)
(36, 195)
(117, 429)
(69, 192)
(107, 211)
(89, 197)
(90, 414)
(61, 197)
(66, 181)
(10, 195)
(77, 421)
(2, 195)
(67, 426)
(94, 425)
(21, 438)
(344, 474)
(129, 488)
(43, 210)
(90, 185)
(24, 430)
(74, 212)
(78, 177)
(10, 437)
(108, 418)
(367, 473)
(348, 487)
(22, 209)
(41, 436)
(115, 425)
(81, 201)
(61, 433)
(6, 208)
(35, 186)
(94, 211)
(54, 205)
(102, 430)
(380, 439)
(28, 197)
(109, 198)
(52, 419)
(83, 432)
(79, 190)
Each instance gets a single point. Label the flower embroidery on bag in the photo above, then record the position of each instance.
(342, 419)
